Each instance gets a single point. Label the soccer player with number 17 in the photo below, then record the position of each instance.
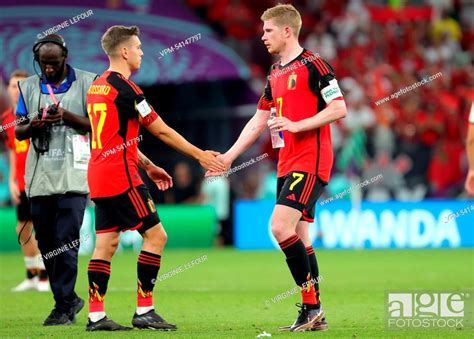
(116, 108)
(303, 90)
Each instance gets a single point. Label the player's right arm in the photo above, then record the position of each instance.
(12, 182)
(169, 136)
(251, 132)
(14, 191)
(254, 127)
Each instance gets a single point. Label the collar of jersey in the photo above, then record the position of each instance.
(280, 66)
(64, 86)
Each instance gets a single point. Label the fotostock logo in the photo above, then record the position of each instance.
(237, 168)
(349, 190)
(428, 310)
(407, 89)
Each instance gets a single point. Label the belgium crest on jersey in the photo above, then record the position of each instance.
(292, 81)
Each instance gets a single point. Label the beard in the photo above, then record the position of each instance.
(57, 76)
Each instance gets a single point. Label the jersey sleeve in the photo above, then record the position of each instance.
(322, 80)
(131, 102)
(21, 107)
(8, 127)
(266, 100)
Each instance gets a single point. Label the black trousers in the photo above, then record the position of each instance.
(57, 220)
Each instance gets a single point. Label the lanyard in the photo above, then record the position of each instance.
(53, 98)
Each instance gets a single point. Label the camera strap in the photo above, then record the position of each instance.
(53, 98)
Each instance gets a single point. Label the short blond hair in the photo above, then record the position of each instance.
(284, 15)
(116, 35)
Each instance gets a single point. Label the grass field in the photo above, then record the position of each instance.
(229, 294)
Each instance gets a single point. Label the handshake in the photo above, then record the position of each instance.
(214, 162)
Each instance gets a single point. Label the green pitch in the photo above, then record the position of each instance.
(229, 295)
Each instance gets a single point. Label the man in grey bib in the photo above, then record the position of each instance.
(53, 109)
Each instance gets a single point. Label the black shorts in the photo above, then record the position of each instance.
(132, 210)
(23, 212)
(300, 190)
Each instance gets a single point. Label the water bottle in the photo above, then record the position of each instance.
(277, 137)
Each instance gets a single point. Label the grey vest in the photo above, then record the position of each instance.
(56, 172)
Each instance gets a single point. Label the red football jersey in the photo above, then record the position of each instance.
(20, 148)
(114, 105)
(296, 91)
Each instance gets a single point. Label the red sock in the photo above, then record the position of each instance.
(313, 263)
(147, 270)
(99, 274)
(308, 295)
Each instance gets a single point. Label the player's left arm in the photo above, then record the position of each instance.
(334, 111)
(157, 174)
(326, 88)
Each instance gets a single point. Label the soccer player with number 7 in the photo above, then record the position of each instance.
(303, 91)
(116, 108)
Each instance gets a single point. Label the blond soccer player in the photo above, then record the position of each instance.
(303, 90)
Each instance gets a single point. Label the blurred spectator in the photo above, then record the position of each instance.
(359, 114)
(446, 26)
(185, 187)
(216, 192)
(383, 137)
(248, 183)
(441, 49)
(322, 42)
(392, 181)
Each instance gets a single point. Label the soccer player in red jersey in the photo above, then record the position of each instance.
(469, 184)
(36, 276)
(304, 91)
(117, 108)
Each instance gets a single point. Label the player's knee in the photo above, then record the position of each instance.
(108, 248)
(161, 238)
(156, 237)
(164, 237)
(279, 230)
